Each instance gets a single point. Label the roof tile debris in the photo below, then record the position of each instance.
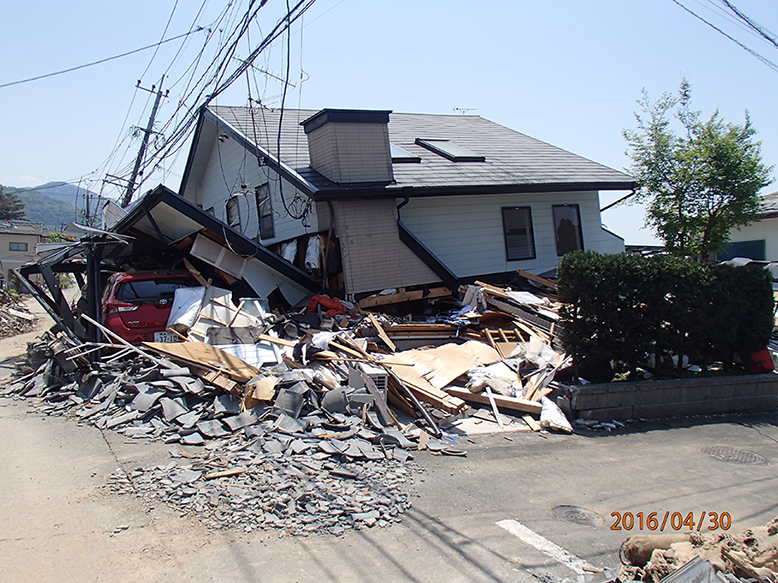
(321, 436)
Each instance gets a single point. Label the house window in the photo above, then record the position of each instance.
(265, 211)
(567, 228)
(450, 150)
(233, 212)
(755, 250)
(517, 227)
(17, 246)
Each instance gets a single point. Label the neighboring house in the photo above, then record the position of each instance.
(759, 240)
(397, 200)
(18, 240)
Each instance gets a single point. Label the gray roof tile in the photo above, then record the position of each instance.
(512, 158)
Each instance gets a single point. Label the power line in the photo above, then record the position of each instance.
(751, 23)
(764, 59)
(198, 29)
(182, 130)
(164, 32)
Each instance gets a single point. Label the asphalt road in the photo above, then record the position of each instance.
(58, 521)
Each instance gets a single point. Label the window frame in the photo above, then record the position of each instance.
(23, 247)
(264, 201)
(530, 228)
(579, 230)
(232, 210)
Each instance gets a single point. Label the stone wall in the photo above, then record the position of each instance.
(667, 398)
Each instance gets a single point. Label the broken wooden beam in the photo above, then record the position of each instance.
(381, 333)
(537, 279)
(405, 296)
(511, 403)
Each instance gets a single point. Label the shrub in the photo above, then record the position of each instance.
(622, 308)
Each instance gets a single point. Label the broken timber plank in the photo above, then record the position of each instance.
(196, 274)
(496, 412)
(274, 340)
(524, 315)
(207, 356)
(225, 473)
(222, 381)
(408, 296)
(420, 329)
(512, 403)
(537, 279)
(530, 420)
(381, 333)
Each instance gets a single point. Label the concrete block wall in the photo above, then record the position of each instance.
(673, 397)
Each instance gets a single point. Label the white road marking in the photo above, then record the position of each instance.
(545, 546)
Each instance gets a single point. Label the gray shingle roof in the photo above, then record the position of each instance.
(512, 158)
(769, 204)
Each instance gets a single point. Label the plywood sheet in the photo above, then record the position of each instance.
(202, 354)
(441, 366)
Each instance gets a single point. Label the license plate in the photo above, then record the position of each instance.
(165, 337)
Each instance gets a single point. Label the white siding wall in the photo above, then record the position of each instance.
(766, 229)
(466, 232)
(229, 166)
(610, 243)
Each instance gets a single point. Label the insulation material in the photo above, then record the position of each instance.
(186, 305)
(289, 250)
(551, 417)
(313, 253)
(255, 355)
(499, 377)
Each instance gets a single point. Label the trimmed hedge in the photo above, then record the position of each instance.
(624, 308)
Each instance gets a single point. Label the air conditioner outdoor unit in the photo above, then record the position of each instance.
(379, 376)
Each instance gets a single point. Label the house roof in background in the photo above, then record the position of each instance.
(512, 161)
(23, 228)
(769, 205)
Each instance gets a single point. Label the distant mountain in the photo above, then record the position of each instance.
(55, 204)
(64, 192)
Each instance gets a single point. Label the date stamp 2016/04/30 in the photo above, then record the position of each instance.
(671, 521)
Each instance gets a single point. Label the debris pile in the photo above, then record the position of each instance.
(307, 422)
(751, 554)
(247, 487)
(14, 317)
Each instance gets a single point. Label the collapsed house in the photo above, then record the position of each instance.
(311, 406)
(370, 200)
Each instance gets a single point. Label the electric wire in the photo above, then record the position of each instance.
(183, 128)
(71, 69)
(762, 58)
(195, 95)
(751, 23)
(164, 32)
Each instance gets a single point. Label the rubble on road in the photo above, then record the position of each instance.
(14, 317)
(751, 554)
(308, 421)
(248, 487)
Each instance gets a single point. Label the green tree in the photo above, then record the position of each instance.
(10, 206)
(698, 185)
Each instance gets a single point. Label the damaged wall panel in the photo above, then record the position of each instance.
(374, 258)
(164, 215)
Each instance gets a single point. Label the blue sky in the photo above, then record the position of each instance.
(564, 71)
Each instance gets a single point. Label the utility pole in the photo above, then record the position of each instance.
(146, 133)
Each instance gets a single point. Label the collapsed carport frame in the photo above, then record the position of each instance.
(164, 218)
